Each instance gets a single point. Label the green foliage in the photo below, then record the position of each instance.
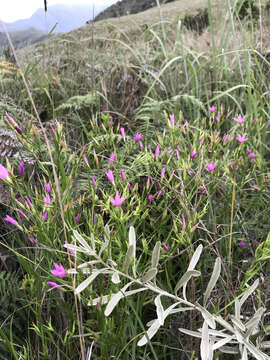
(197, 22)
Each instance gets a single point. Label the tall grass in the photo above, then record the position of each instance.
(180, 120)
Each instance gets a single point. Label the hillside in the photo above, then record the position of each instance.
(126, 7)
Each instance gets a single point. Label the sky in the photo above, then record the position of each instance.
(11, 10)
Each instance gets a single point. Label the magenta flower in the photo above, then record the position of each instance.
(77, 218)
(47, 199)
(72, 252)
(157, 151)
(193, 154)
(252, 155)
(183, 222)
(85, 160)
(122, 131)
(13, 123)
(21, 168)
(226, 137)
(150, 197)
(141, 145)
(112, 157)
(110, 176)
(162, 173)
(48, 188)
(53, 285)
(242, 138)
(148, 182)
(201, 141)
(45, 216)
(59, 271)
(210, 167)
(138, 137)
(240, 119)
(165, 246)
(212, 109)
(242, 244)
(117, 201)
(33, 240)
(22, 213)
(52, 131)
(217, 117)
(122, 175)
(3, 172)
(172, 119)
(111, 122)
(29, 202)
(11, 220)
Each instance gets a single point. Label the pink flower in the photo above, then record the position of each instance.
(122, 175)
(93, 181)
(157, 151)
(47, 199)
(111, 122)
(226, 137)
(242, 138)
(53, 285)
(112, 157)
(48, 188)
(210, 167)
(242, 244)
(165, 246)
(59, 271)
(85, 160)
(122, 131)
(162, 173)
(33, 240)
(217, 117)
(212, 109)
(183, 222)
(150, 197)
(72, 252)
(3, 172)
(148, 182)
(138, 137)
(202, 141)
(172, 119)
(240, 119)
(11, 220)
(110, 176)
(13, 123)
(22, 213)
(193, 154)
(29, 202)
(252, 155)
(141, 145)
(117, 201)
(45, 216)
(77, 218)
(21, 168)
(52, 131)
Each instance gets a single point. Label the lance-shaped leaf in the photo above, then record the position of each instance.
(185, 278)
(105, 299)
(195, 258)
(106, 240)
(83, 243)
(213, 280)
(128, 258)
(132, 245)
(149, 275)
(159, 309)
(155, 255)
(206, 348)
(115, 299)
(222, 342)
(150, 333)
(209, 318)
(250, 290)
(79, 249)
(87, 281)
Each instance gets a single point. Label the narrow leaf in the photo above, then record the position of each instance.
(87, 282)
(250, 290)
(82, 241)
(150, 333)
(132, 242)
(115, 278)
(205, 345)
(149, 275)
(104, 299)
(159, 309)
(185, 278)
(128, 258)
(209, 318)
(115, 299)
(155, 255)
(213, 280)
(195, 258)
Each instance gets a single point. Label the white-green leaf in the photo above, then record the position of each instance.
(115, 278)
(132, 243)
(222, 342)
(238, 323)
(149, 275)
(104, 299)
(191, 333)
(128, 258)
(205, 343)
(209, 318)
(93, 243)
(83, 242)
(195, 258)
(155, 255)
(250, 290)
(115, 299)
(213, 280)
(159, 309)
(185, 278)
(87, 282)
(150, 333)
(237, 309)
(106, 240)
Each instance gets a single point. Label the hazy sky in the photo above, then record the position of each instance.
(11, 10)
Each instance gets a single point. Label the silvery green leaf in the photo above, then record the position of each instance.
(83, 242)
(195, 258)
(265, 345)
(88, 263)
(128, 258)
(93, 243)
(237, 309)
(132, 243)
(213, 280)
(238, 323)
(150, 333)
(77, 248)
(222, 342)
(72, 271)
(87, 282)
(150, 322)
(115, 298)
(229, 349)
(250, 290)
(149, 275)
(224, 323)
(159, 309)
(205, 347)
(209, 318)
(185, 278)
(106, 241)
(102, 300)
(116, 278)
(259, 355)
(191, 333)
(175, 311)
(155, 255)
(252, 323)
(244, 354)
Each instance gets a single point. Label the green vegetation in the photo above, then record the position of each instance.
(137, 223)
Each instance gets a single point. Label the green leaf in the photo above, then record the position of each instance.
(149, 275)
(87, 282)
(155, 255)
(150, 333)
(185, 278)
(132, 244)
(213, 280)
(83, 242)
